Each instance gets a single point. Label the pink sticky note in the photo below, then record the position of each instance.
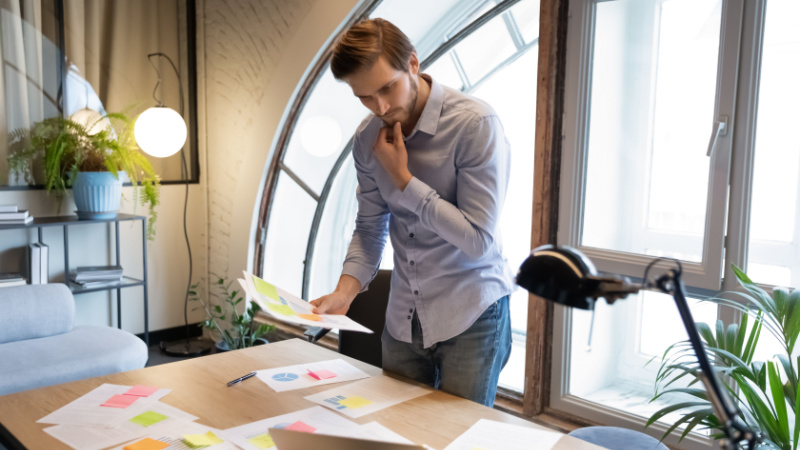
(141, 391)
(301, 426)
(325, 374)
(120, 401)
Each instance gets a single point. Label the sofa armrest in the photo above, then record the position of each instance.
(35, 311)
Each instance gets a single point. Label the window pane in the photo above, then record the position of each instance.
(515, 223)
(773, 217)
(323, 128)
(480, 52)
(526, 14)
(445, 72)
(647, 170)
(287, 236)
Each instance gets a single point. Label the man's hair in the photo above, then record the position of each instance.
(361, 45)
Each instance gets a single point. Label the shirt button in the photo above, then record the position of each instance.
(408, 317)
(411, 235)
(416, 292)
(411, 310)
(412, 263)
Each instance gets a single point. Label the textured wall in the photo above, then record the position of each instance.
(255, 53)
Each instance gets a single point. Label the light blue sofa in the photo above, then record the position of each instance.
(39, 346)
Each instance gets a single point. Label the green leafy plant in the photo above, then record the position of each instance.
(765, 391)
(63, 147)
(237, 330)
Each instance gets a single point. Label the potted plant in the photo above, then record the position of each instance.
(232, 330)
(765, 391)
(92, 158)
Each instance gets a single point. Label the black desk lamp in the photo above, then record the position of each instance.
(566, 276)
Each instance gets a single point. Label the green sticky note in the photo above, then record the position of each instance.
(148, 418)
(355, 402)
(262, 441)
(199, 440)
(266, 289)
(284, 310)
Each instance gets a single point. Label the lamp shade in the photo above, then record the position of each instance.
(561, 274)
(160, 131)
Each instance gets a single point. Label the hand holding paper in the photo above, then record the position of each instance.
(286, 307)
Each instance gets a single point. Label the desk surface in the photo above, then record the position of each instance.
(199, 387)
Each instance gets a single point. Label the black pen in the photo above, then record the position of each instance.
(240, 379)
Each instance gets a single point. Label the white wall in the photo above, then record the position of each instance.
(255, 55)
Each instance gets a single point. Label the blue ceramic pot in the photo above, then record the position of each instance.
(97, 194)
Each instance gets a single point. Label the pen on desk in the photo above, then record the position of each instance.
(240, 379)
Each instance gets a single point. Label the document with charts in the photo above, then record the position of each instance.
(367, 396)
(310, 374)
(288, 308)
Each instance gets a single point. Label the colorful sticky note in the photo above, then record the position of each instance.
(148, 418)
(322, 374)
(197, 440)
(262, 441)
(301, 426)
(285, 310)
(120, 401)
(355, 402)
(146, 444)
(141, 391)
(266, 289)
(313, 317)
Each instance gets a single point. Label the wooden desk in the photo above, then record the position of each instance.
(199, 387)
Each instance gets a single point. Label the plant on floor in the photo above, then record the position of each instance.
(766, 392)
(236, 330)
(64, 147)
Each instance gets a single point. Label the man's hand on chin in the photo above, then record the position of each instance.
(391, 152)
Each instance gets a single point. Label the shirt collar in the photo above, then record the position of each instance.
(429, 119)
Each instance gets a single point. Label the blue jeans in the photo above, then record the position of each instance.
(467, 365)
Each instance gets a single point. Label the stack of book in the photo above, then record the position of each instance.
(38, 263)
(11, 279)
(10, 215)
(96, 276)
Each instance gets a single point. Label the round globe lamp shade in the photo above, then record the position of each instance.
(160, 132)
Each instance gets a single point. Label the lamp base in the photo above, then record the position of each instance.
(186, 347)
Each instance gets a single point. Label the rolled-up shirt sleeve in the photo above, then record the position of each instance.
(482, 164)
(372, 227)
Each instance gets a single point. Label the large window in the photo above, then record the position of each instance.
(313, 206)
(677, 143)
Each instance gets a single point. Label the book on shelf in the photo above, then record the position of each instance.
(18, 215)
(8, 208)
(44, 263)
(26, 220)
(12, 279)
(34, 263)
(100, 270)
(98, 283)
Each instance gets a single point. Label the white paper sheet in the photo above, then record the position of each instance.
(297, 377)
(296, 306)
(97, 437)
(86, 410)
(367, 396)
(322, 420)
(491, 435)
(173, 435)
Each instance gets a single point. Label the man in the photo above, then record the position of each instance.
(432, 166)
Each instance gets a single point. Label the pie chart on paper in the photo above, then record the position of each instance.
(285, 376)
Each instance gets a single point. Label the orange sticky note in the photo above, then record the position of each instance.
(120, 401)
(313, 317)
(146, 444)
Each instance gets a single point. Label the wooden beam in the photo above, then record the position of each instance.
(549, 107)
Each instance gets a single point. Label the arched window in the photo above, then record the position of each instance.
(485, 48)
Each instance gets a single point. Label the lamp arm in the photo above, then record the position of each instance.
(728, 414)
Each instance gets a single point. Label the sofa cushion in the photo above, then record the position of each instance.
(85, 352)
(35, 311)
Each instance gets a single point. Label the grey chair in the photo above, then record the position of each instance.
(368, 309)
(40, 346)
(616, 438)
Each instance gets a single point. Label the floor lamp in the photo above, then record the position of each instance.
(566, 276)
(160, 132)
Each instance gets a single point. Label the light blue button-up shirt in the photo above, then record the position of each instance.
(444, 226)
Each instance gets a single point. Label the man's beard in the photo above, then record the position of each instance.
(409, 107)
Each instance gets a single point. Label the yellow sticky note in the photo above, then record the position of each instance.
(266, 289)
(146, 444)
(197, 440)
(262, 441)
(284, 310)
(313, 317)
(355, 402)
